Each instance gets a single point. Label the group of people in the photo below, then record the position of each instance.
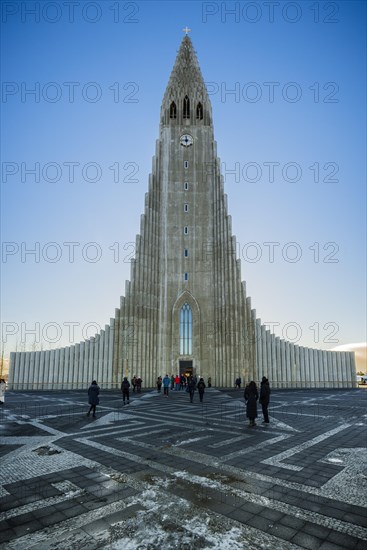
(174, 382)
(251, 396)
(251, 393)
(188, 383)
(136, 383)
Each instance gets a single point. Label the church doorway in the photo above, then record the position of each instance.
(186, 368)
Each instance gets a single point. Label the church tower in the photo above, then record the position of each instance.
(185, 308)
(192, 301)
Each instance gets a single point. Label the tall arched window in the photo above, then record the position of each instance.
(186, 330)
(186, 107)
(199, 111)
(173, 110)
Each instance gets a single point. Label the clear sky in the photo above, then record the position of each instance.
(287, 85)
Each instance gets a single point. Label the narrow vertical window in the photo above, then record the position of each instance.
(186, 164)
(186, 252)
(186, 329)
(186, 107)
(186, 230)
(173, 110)
(199, 111)
(186, 207)
(186, 276)
(186, 186)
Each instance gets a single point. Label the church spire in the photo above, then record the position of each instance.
(186, 99)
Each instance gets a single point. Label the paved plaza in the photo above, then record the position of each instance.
(163, 473)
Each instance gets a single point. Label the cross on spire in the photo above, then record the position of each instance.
(186, 30)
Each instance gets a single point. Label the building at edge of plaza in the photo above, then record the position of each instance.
(185, 307)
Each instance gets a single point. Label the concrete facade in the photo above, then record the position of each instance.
(185, 306)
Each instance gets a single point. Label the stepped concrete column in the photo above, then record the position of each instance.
(316, 368)
(321, 368)
(76, 366)
(297, 367)
(99, 358)
(291, 381)
(259, 357)
(105, 356)
(20, 357)
(42, 369)
(307, 368)
(31, 384)
(82, 368)
(273, 367)
(339, 368)
(25, 372)
(37, 379)
(111, 335)
(326, 368)
(352, 368)
(264, 350)
(335, 369)
(21, 371)
(312, 367)
(302, 366)
(288, 375)
(329, 366)
(46, 369)
(56, 381)
(23, 375)
(95, 359)
(283, 364)
(12, 369)
(51, 373)
(278, 370)
(91, 346)
(63, 374)
(69, 357)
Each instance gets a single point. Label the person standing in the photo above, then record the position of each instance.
(93, 397)
(251, 396)
(125, 385)
(166, 383)
(133, 382)
(138, 383)
(201, 388)
(191, 387)
(177, 382)
(265, 398)
(2, 391)
(209, 382)
(159, 384)
(238, 383)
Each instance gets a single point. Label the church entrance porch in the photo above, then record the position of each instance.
(186, 368)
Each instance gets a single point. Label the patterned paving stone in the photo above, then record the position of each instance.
(182, 474)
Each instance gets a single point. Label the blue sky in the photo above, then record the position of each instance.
(288, 95)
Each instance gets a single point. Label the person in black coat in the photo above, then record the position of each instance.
(125, 385)
(201, 388)
(93, 399)
(265, 398)
(191, 386)
(251, 396)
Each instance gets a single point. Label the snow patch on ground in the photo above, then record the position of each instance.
(152, 529)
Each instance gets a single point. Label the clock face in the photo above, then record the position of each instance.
(186, 140)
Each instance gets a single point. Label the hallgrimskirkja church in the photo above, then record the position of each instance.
(185, 308)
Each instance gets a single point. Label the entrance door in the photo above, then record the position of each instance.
(186, 368)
